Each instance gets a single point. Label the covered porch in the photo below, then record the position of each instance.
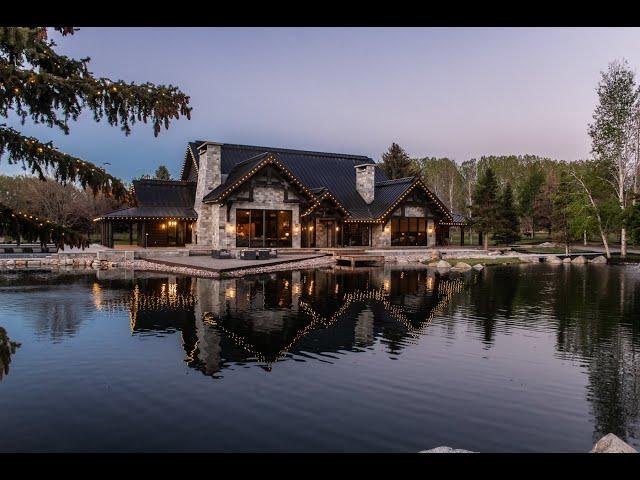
(145, 232)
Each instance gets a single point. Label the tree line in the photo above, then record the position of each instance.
(511, 196)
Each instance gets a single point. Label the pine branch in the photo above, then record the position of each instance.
(33, 227)
(38, 156)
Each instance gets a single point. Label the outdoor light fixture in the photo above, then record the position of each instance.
(387, 228)
(296, 229)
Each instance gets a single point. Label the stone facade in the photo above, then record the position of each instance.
(365, 181)
(209, 177)
(265, 198)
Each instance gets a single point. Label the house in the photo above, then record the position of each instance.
(239, 196)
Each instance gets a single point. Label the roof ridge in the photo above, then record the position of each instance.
(167, 182)
(301, 152)
(396, 180)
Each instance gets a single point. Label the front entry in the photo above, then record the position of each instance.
(330, 234)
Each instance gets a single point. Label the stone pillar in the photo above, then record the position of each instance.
(209, 177)
(431, 233)
(365, 181)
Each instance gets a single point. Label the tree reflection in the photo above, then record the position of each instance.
(609, 342)
(7, 348)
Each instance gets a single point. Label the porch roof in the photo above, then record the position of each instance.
(151, 213)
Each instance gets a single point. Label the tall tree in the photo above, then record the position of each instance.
(611, 132)
(443, 178)
(396, 163)
(38, 83)
(561, 217)
(508, 226)
(528, 196)
(596, 206)
(469, 174)
(486, 205)
(162, 173)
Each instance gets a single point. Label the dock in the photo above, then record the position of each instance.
(355, 259)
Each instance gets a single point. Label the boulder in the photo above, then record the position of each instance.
(442, 264)
(547, 244)
(600, 260)
(479, 267)
(579, 260)
(494, 253)
(610, 443)
(10, 263)
(446, 450)
(553, 259)
(462, 266)
(436, 255)
(566, 260)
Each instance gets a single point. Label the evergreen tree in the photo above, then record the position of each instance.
(162, 173)
(508, 225)
(561, 217)
(486, 205)
(396, 163)
(46, 87)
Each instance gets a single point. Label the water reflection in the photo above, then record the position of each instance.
(585, 317)
(7, 348)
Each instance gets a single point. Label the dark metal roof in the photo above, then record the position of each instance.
(235, 174)
(183, 213)
(458, 220)
(318, 171)
(333, 171)
(164, 193)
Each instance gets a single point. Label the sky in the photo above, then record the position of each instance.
(455, 92)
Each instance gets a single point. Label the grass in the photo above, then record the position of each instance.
(543, 250)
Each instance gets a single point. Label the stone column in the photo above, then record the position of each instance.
(209, 177)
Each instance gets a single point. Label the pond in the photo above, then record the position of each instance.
(529, 358)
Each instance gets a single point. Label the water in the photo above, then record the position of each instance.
(516, 358)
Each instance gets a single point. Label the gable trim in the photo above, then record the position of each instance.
(269, 159)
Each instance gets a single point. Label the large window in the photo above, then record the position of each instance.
(356, 234)
(408, 231)
(263, 228)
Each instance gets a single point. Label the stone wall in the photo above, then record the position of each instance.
(209, 177)
(264, 198)
(381, 234)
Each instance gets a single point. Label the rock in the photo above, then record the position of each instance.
(68, 261)
(566, 260)
(478, 266)
(494, 253)
(442, 264)
(610, 443)
(600, 260)
(436, 255)
(579, 260)
(10, 263)
(446, 450)
(21, 263)
(553, 259)
(547, 244)
(462, 266)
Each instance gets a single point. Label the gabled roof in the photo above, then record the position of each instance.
(245, 169)
(318, 172)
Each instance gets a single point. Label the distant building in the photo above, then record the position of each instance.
(238, 196)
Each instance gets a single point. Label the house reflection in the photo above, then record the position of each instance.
(270, 317)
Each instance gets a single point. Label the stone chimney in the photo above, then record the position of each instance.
(209, 177)
(365, 181)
